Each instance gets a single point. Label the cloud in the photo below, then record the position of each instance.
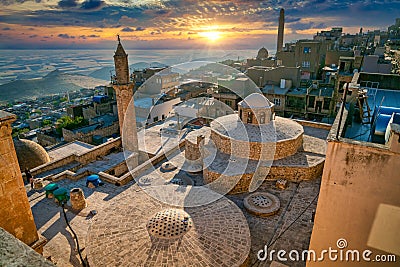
(300, 26)
(137, 29)
(65, 36)
(67, 3)
(93, 4)
(155, 32)
(127, 29)
(6, 29)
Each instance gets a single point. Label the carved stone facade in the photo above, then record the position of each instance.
(15, 212)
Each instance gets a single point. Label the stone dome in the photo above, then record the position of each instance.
(262, 53)
(256, 100)
(30, 154)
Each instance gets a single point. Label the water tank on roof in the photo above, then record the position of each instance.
(283, 83)
(381, 124)
(387, 110)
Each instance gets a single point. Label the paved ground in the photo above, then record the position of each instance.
(61, 246)
(289, 229)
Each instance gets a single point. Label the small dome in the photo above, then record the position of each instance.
(262, 53)
(256, 100)
(30, 154)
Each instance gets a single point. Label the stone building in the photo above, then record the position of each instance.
(15, 212)
(262, 59)
(251, 144)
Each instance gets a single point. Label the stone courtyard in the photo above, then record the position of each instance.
(118, 206)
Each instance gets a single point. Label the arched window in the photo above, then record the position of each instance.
(249, 117)
(262, 117)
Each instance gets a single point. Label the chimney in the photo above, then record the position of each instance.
(281, 30)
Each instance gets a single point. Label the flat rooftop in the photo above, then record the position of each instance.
(383, 97)
(127, 208)
(75, 147)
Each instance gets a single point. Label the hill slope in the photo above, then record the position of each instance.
(53, 83)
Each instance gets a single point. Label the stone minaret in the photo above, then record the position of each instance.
(123, 87)
(15, 212)
(281, 30)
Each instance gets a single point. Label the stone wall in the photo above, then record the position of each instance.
(84, 158)
(312, 124)
(46, 140)
(192, 150)
(70, 136)
(15, 211)
(291, 173)
(15, 253)
(140, 168)
(256, 151)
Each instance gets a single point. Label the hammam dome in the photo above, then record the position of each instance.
(30, 154)
(262, 53)
(256, 109)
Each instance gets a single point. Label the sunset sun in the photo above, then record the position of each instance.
(212, 36)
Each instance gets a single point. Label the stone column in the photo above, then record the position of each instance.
(15, 211)
(281, 29)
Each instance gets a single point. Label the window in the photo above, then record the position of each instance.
(311, 101)
(240, 114)
(228, 102)
(249, 117)
(305, 64)
(327, 102)
(307, 50)
(262, 117)
(277, 101)
(155, 119)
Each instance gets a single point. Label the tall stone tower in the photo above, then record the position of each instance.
(281, 29)
(15, 211)
(123, 87)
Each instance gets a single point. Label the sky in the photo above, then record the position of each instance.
(180, 24)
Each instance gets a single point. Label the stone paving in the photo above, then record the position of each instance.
(62, 249)
(124, 202)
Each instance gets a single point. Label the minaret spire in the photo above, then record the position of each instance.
(123, 87)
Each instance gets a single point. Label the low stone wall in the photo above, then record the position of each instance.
(318, 125)
(100, 150)
(53, 165)
(84, 158)
(256, 151)
(129, 176)
(296, 174)
(70, 136)
(291, 173)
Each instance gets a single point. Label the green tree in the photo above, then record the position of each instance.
(17, 131)
(69, 123)
(46, 122)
